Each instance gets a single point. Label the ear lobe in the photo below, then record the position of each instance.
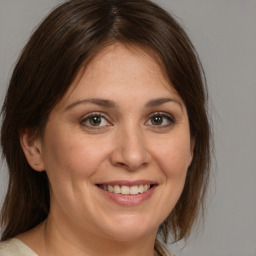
(32, 149)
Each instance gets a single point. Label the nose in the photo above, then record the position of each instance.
(130, 150)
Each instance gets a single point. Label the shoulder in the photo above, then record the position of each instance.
(15, 247)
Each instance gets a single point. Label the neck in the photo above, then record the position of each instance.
(49, 239)
(90, 244)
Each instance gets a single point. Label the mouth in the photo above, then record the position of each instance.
(126, 189)
(128, 193)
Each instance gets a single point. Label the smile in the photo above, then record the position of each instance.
(126, 190)
(128, 193)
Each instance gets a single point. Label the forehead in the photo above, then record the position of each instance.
(121, 68)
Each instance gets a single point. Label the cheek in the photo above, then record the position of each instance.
(174, 157)
(71, 154)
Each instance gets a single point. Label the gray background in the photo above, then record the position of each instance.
(223, 32)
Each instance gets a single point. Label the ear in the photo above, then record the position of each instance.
(32, 148)
(192, 146)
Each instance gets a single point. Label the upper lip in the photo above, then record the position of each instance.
(128, 183)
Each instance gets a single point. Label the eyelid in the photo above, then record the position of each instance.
(91, 114)
(170, 117)
(161, 113)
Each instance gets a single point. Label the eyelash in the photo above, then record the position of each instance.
(92, 115)
(167, 118)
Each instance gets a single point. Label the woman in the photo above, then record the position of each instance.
(105, 133)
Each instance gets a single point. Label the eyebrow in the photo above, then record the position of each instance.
(96, 101)
(111, 104)
(160, 101)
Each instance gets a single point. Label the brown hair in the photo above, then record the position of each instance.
(66, 41)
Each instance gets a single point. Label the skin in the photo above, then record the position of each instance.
(133, 140)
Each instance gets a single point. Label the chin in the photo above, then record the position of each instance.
(129, 229)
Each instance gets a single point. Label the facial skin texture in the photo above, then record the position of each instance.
(127, 145)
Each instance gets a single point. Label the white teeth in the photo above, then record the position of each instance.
(134, 190)
(141, 188)
(117, 189)
(109, 188)
(126, 190)
(146, 187)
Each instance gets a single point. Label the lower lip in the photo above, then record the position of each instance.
(128, 200)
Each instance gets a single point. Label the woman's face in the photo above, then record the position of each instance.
(116, 148)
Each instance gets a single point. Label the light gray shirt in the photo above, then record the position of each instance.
(15, 247)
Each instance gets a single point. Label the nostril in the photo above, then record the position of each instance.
(120, 164)
(129, 156)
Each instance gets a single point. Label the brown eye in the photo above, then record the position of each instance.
(95, 120)
(157, 120)
(160, 119)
